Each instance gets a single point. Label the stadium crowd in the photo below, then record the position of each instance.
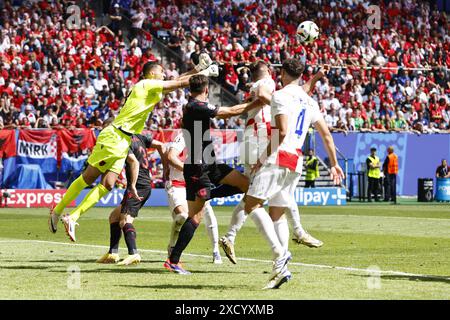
(52, 76)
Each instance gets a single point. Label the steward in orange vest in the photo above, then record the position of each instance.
(390, 168)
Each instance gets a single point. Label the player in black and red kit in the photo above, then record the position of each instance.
(139, 181)
(205, 178)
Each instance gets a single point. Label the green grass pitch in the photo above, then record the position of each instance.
(409, 244)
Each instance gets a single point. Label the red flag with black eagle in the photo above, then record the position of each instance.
(7, 143)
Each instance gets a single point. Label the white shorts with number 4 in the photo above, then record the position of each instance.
(176, 196)
(275, 184)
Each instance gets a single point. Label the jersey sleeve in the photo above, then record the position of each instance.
(206, 110)
(278, 104)
(149, 86)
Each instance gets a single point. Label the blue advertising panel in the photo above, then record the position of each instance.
(304, 197)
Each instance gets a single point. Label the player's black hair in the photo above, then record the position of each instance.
(198, 83)
(256, 68)
(373, 149)
(148, 66)
(293, 67)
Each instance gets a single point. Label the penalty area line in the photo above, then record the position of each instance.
(300, 264)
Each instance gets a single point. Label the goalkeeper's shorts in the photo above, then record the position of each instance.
(110, 151)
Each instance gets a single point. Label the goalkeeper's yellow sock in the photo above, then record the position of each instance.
(74, 190)
(94, 196)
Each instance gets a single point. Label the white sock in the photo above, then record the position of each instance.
(211, 227)
(178, 221)
(294, 217)
(237, 221)
(282, 230)
(266, 227)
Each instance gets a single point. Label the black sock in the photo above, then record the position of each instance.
(224, 190)
(130, 238)
(114, 239)
(186, 233)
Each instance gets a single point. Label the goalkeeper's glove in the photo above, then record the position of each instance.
(211, 71)
(203, 63)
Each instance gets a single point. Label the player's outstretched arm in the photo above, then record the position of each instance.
(173, 160)
(311, 84)
(228, 112)
(183, 82)
(204, 62)
(160, 147)
(264, 94)
(133, 164)
(336, 171)
(162, 150)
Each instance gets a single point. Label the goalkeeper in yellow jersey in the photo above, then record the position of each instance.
(111, 149)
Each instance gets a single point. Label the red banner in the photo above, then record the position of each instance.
(76, 140)
(7, 143)
(164, 136)
(34, 198)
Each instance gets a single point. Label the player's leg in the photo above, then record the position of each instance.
(129, 233)
(212, 230)
(94, 196)
(266, 227)
(99, 191)
(115, 233)
(293, 215)
(231, 182)
(109, 154)
(267, 183)
(281, 225)
(179, 216)
(84, 180)
(238, 219)
(186, 234)
(234, 178)
(130, 210)
(278, 204)
(300, 235)
(176, 197)
(87, 178)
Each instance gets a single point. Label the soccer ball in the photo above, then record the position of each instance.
(307, 32)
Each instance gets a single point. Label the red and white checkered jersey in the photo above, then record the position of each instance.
(176, 176)
(302, 111)
(258, 121)
(253, 28)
